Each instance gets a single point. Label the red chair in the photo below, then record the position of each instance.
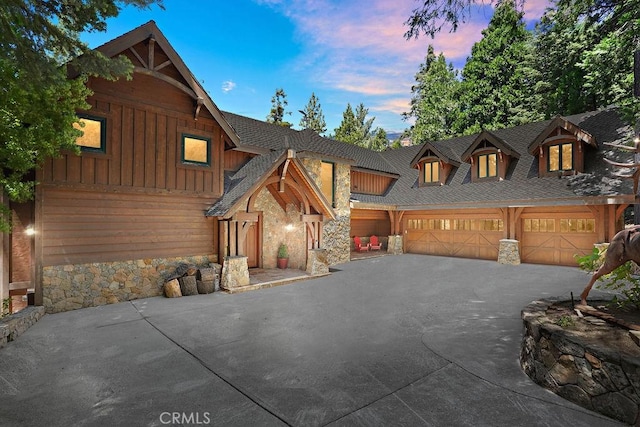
(374, 243)
(359, 246)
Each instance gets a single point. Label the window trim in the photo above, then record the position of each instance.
(560, 169)
(486, 155)
(182, 150)
(333, 181)
(424, 172)
(103, 134)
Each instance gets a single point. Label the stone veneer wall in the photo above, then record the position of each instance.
(281, 227)
(590, 374)
(336, 234)
(69, 287)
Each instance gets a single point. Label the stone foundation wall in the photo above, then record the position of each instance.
(16, 324)
(69, 287)
(590, 374)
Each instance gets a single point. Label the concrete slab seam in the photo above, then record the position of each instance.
(204, 365)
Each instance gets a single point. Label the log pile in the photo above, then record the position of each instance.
(191, 280)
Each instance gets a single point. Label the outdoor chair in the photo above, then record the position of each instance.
(374, 243)
(360, 247)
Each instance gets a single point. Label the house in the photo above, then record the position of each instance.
(165, 177)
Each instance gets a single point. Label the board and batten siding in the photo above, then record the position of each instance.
(137, 200)
(85, 226)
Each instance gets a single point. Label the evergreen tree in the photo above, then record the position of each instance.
(496, 80)
(312, 116)
(355, 128)
(379, 142)
(434, 99)
(278, 105)
(39, 43)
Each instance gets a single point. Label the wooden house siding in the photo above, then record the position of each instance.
(367, 222)
(366, 183)
(86, 226)
(234, 160)
(143, 150)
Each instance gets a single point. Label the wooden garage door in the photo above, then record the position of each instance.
(556, 240)
(457, 237)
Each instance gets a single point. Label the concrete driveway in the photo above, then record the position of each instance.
(398, 340)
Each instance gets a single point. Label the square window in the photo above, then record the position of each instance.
(196, 150)
(94, 137)
(561, 157)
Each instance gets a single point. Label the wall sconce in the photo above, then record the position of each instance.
(288, 227)
(30, 230)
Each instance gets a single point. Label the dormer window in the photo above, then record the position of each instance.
(560, 157)
(487, 165)
(432, 172)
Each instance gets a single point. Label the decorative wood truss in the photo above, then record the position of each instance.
(288, 183)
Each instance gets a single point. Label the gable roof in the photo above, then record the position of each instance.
(496, 141)
(522, 187)
(562, 123)
(242, 184)
(442, 152)
(189, 84)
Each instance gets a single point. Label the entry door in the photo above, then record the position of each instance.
(21, 244)
(251, 245)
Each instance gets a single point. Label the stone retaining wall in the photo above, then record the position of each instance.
(69, 287)
(599, 370)
(16, 324)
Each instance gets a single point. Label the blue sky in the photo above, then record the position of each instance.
(349, 51)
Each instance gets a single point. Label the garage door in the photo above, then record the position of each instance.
(457, 237)
(557, 240)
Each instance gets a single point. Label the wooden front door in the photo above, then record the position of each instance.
(251, 245)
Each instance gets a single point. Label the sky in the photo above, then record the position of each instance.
(344, 51)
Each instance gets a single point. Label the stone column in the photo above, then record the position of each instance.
(509, 252)
(394, 245)
(317, 262)
(235, 272)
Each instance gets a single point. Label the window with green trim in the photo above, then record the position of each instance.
(196, 150)
(327, 180)
(94, 133)
(561, 157)
(487, 165)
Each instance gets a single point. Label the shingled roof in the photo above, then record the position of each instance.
(522, 186)
(261, 137)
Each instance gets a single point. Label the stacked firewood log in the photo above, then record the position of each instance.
(192, 280)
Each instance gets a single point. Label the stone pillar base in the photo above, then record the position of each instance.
(235, 273)
(317, 262)
(394, 245)
(509, 252)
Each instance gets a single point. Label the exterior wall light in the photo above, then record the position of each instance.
(288, 227)
(30, 231)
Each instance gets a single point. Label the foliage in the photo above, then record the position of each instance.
(39, 48)
(433, 15)
(565, 321)
(621, 280)
(434, 99)
(5, 307)
(283, 251)
(312, 116)
(379, 141)
(355, 128)
(496, 86)
(278, 105)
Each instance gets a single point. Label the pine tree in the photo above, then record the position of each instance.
(312, 116)
(278, 105)
(434, 99)
(496, 85)
(355, 128)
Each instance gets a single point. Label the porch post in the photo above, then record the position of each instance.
(5, 250)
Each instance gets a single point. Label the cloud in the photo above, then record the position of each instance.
(228, 86)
